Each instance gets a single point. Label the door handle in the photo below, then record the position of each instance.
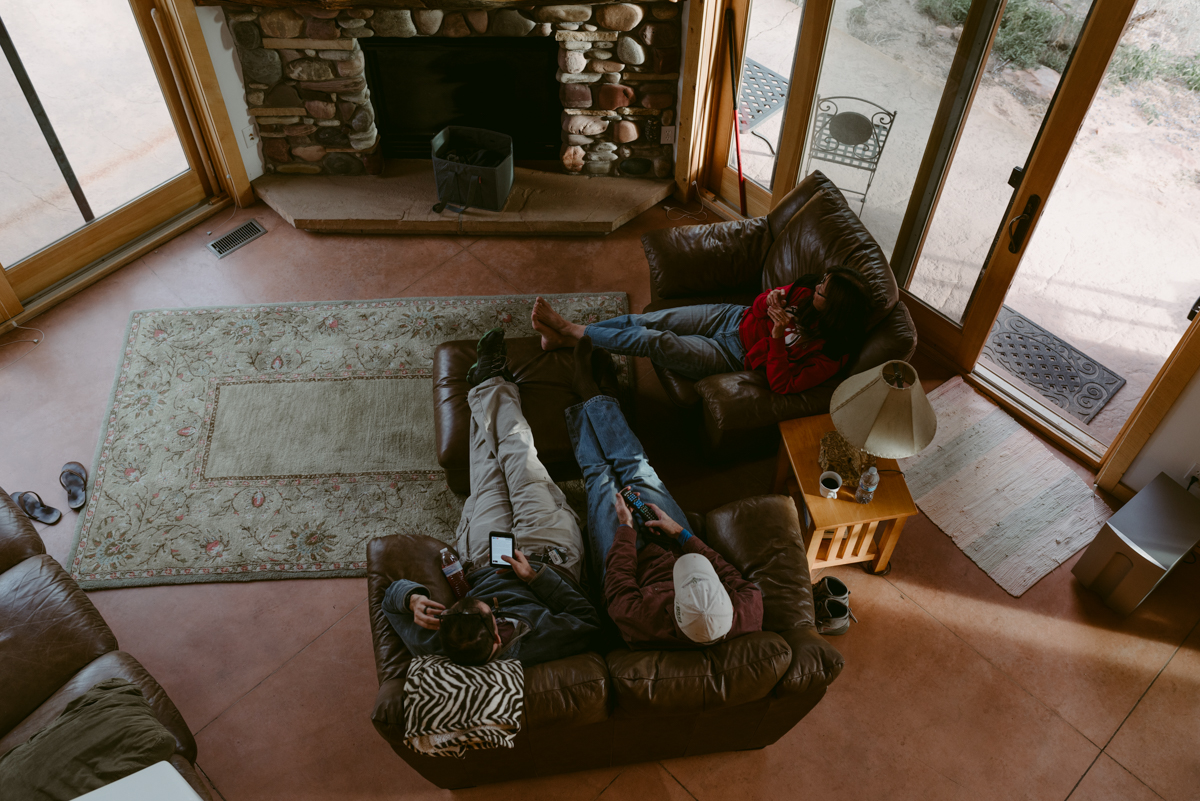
(1018, 226)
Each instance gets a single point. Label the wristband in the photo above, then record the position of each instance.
(684, 536)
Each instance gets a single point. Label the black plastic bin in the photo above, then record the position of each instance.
(473, 167)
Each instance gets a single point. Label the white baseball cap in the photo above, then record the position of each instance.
(703, 610)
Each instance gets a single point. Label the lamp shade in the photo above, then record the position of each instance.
(884, 411)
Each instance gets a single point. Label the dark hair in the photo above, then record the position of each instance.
(843, 323)
(468, 632)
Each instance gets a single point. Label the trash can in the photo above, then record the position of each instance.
(1140, 544)
(473, 167)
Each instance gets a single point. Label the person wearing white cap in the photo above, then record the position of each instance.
(663, 587)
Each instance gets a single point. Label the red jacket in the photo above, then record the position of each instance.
(789, 369)
(639, 588)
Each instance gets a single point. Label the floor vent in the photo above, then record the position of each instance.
(242, 235)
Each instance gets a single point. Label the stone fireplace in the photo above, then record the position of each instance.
(309, 81)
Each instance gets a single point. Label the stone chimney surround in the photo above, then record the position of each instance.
(303, 68)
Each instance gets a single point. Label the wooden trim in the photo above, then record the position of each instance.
(8, 297)
(1158, 399)
(112, 262)
(181, 106)
(758, 200)
(721, 124)
(699, 101)
(105, 234)
(1122, 493)
(206, 97)
(1076, 90)
(802, 94)
(929, 180)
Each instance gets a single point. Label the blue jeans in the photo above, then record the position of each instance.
(611, 457)
(694, 341)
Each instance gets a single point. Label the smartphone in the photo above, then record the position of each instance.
(502, 545)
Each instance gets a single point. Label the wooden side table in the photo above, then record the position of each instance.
(840, 530)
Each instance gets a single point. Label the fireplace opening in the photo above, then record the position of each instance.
(421, 85)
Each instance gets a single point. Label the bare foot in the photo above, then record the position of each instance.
(556, 332)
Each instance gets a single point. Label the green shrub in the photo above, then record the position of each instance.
(946, 12)
(1187, 70)
(1026, 31)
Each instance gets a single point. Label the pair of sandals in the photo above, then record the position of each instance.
(831, 597)
(73, 478)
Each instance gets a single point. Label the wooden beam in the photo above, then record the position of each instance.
(1161, 395)
(806, 72)
(10, 304)
(698, 101)
(205, 92)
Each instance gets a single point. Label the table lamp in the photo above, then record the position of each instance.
(884, 411)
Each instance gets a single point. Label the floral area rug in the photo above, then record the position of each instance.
(258, 442)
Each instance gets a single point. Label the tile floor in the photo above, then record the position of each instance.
(952, 689)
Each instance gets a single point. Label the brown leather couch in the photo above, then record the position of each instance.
(811, 230)
(54, 646)
(614, 706)
(544, 380)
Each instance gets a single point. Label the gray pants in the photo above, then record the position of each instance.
(510, 489)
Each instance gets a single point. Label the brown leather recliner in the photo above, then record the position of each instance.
(598, 709)
(55, 646)
(811, 230)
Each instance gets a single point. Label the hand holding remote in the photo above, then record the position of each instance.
(639, 509)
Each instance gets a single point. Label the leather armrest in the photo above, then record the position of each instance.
(19, 539)
(893, 337)
(389, 703)
(724, 257)
(743, 400)
(188, 771)
(815, 662)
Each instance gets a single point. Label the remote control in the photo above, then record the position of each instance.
(637, 507)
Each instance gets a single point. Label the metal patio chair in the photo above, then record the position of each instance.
(853, 134)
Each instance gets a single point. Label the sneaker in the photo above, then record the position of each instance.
(833, 617)
(492, 355)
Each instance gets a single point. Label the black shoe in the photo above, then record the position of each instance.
(833, 617)
(492, 359)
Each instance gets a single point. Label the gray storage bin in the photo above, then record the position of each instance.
(484, 184)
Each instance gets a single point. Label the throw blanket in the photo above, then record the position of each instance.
(450, 709)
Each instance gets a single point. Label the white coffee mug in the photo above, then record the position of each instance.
(830, 477)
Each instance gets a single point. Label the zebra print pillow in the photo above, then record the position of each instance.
(450, 709)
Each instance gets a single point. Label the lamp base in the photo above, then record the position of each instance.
(843, 458)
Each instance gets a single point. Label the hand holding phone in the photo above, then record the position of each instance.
(501, 546)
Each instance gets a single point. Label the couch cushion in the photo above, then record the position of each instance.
(680, 682)
(826, 233)
(695, 260)
(545, 381)
(773, 558)
(744, 400)
(49, 631)
(113, 665)
(567, 692)
(18, 538)
(105, 734)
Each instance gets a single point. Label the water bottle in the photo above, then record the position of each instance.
(453, 570)
(867, 483)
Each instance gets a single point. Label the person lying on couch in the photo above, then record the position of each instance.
(533, 611)
(800, 335)
(673, 591)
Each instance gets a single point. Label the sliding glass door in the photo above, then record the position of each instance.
(97, 145)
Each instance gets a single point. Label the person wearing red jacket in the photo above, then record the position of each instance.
(800, 335)
(663, 588)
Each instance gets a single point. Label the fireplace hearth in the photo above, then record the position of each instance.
(335, 90)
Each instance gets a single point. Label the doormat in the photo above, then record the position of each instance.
(1006, 501)
(275, 441)
(1071, 380)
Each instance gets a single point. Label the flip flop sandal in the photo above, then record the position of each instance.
(31, 504)
(74, 480)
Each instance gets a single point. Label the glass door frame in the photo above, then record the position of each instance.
(105, 234)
